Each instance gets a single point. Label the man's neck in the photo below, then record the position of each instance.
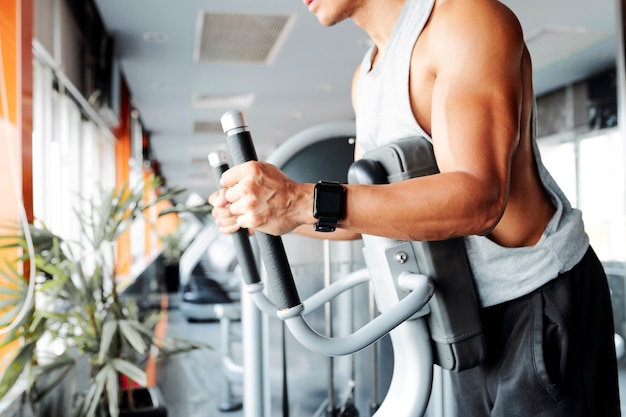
(378, 18)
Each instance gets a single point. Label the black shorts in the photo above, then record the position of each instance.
(549, 353)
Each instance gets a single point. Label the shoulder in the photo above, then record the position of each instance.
(485, 25)
(467, 13)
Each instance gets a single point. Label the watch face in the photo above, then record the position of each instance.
(329, 201)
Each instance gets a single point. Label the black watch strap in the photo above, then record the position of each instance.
(326, 224)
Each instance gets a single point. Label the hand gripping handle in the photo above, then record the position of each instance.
(272, 251)
(243, 248)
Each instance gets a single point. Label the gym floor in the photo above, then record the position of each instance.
(192, 384)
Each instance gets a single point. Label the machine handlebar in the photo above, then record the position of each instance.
(271, 248)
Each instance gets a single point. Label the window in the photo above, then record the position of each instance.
(72, 155)
(590, 170)
(601, 184)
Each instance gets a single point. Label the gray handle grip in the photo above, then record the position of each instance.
(272, 250)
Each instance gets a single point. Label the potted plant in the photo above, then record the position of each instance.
(173, 246)
(175, 243)
(79, 310)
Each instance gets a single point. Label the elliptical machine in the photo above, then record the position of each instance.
(423, 290)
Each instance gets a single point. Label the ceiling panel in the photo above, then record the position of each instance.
(305, 76)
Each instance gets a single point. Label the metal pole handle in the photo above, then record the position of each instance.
(272, 250)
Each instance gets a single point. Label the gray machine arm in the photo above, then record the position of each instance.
(404, 276)
(283, 289)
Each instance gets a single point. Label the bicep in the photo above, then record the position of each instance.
(474, 131)
(476, 107)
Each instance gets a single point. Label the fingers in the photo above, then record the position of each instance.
(243, 188)
(225, 220)
(257, 195)
(235, 174)
(236, 181)
(222, 202)
(217, 199)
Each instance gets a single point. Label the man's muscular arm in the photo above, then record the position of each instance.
(474, 50)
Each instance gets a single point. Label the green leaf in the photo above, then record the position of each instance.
(132, 333)
(11, 274)
(56, 371)
(109, 329)
(53, 284)
(20, 332)
(131, 370)
(10, 292)
(58, 362)
(94, 395)
(18, 365)
(173, 346)
(153, 319)
(9, 315)
(113, 391)
(203, 210)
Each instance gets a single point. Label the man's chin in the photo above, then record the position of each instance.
(325, 21)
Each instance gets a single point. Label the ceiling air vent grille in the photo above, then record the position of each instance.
(244, 38)
(205, 126)
(206, 101)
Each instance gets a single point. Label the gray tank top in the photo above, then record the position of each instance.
(384, 114)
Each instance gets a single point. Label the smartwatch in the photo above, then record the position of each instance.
(329, 205)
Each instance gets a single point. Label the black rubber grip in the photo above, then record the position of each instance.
(241, 147)
(272, 250)
(243, 248)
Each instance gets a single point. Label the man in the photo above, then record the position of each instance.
(458, 71)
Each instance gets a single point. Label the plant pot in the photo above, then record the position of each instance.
(172, 278)
(148, 402)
